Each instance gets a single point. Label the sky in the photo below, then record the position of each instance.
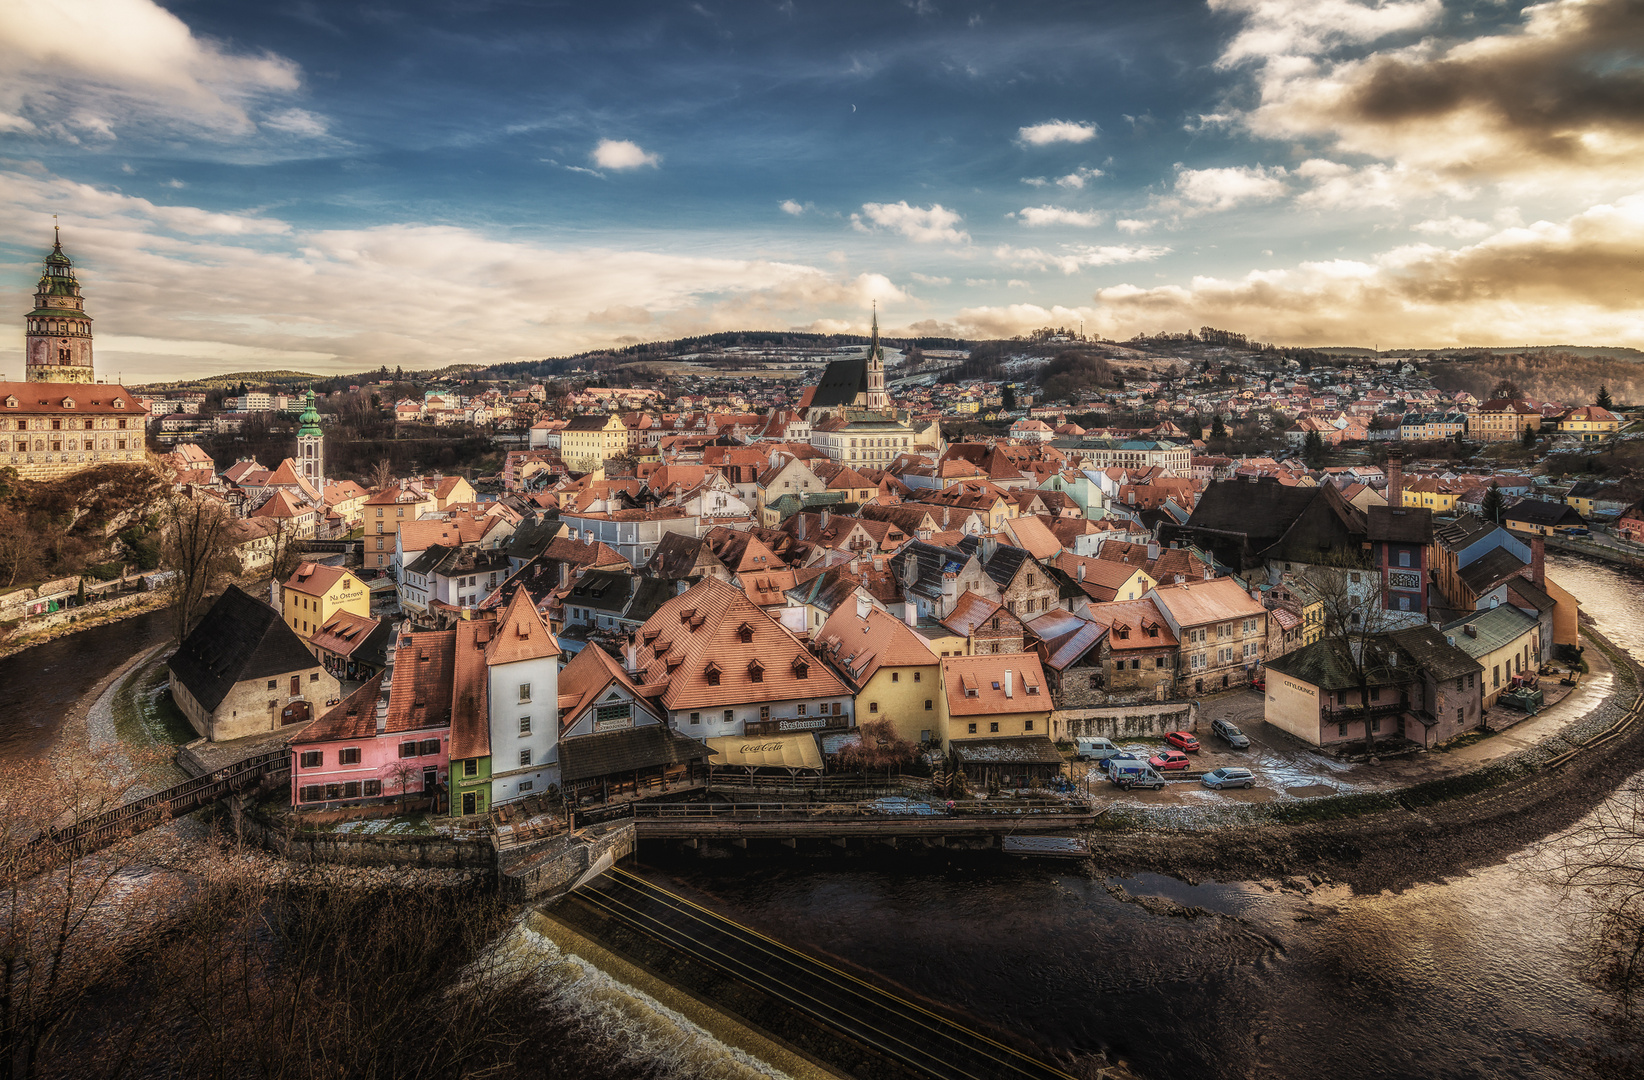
(332, 187)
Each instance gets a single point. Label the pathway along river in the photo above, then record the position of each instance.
(1473, 977)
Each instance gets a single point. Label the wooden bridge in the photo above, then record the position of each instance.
(99, 831)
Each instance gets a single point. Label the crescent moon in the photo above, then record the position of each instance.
(853, 108)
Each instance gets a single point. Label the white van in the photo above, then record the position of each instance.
(1093, 748)
(1130, 773)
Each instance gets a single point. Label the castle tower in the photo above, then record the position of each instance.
(878, 400)
(58, 344)
(311, 446)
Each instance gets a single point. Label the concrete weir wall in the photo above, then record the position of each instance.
(1128, 721)
(558, 864)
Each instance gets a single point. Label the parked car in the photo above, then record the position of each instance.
(1183, 740)
(1169, 759)
(1229, 732)
(1127, 773)
(1093, 748)
(1228, 777)
(1258, 682)
(1121, 757)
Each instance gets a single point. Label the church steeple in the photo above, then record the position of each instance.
(878, 400)
(311, 445)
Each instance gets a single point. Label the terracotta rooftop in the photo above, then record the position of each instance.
(995, 683)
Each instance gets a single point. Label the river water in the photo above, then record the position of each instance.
(40, 684)
(1477, 976)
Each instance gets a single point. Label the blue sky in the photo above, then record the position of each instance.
(336, 186)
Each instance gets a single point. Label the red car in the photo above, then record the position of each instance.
(1182, 740)
(1168, 759)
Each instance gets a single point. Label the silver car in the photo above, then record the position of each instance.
(1227, 777)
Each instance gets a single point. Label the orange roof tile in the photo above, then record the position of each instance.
(978, 685)
(521, 634)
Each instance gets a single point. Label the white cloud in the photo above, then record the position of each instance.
(622, 154)
(1075, 257)
(1209, 190)
(1344, 187)
(1279, 28)
(299, 122)
(923, 225)
(241, 286)
(1015, 319)
(1076, 179)
(1035, 181)
(930, 279)
(1576, 280)
(1055, 131)
(790, 207)
(103, 66)
(1133, 225)
(1039, 216)
(1459, 227)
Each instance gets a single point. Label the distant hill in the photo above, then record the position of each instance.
(1585, 352)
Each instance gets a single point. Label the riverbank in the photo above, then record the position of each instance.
(1393, 840)
(119, 610)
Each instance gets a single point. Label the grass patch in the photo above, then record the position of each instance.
(145, 717)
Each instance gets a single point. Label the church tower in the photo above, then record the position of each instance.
(311, 446)
(58, 344)
(878, 400)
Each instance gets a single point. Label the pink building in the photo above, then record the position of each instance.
(375, 741)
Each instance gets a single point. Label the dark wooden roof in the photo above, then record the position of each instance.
(1399, 525)
(842, 381)
(240, 638)
(618, 752)
(1490, 569)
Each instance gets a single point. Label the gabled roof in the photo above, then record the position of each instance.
(467, 689)
(354, 717)
(1003, 565)
(584, 681)
(859, 646)
(841, 382)
(521, 634)
(1494, 628)
(1065, 638)
(1133, 624)
(240, 638)
(977, 685)
(1491, 569)
(351, 635)
(314, 579)
(1427, 647)
(972, 610)
(1399, 524)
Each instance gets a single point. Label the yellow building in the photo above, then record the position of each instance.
(893, 671)
(384, 512)
(315, 593)
(1503, 639)
(587, 442)
(1589, 423)
(1432, 493)
(1502, 420)
(993, 696)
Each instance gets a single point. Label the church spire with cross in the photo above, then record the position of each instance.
(878, 400)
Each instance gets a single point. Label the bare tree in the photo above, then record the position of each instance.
(196, 549)
(1600, 866)
(1354, 619)
(288, 550)
(878, 746)
(401, 775)
(19, 555)
(381, 475)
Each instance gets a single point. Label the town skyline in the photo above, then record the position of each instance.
(604, 178)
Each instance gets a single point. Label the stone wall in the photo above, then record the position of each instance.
(423, 851)
(1129, 721)
(555, 864)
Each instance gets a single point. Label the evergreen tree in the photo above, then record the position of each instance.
(1493, 507)
(1604, 401)
(1528, 439)
(1218, 430)
(1010, 397)
(1195, 429)
(1313, 450)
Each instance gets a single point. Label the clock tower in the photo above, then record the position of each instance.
(58, 343)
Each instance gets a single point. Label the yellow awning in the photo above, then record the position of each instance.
(779, 751)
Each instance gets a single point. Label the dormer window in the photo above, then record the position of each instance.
(119, 403)
(744, 634)
(11, 403)
(711, 673)
(68, 403)
(756, 671)
(801, 670)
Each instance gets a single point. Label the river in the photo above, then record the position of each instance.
(41, 683)
(1477, 976)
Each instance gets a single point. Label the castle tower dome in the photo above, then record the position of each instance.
(311, 446)
(57, 343)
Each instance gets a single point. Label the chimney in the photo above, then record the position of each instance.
(910, 612)
(1081, 571)
(1152, 550)
(801, 528)
(387, 681)
(1009, 685)
(862, 606)
(822, 520)
(1538, 561)
(1395, 479)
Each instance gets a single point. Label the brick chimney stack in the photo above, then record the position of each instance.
(1538, 561)
(1395, 479)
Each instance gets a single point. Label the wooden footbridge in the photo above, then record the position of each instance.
(969, 824)
(100, 830)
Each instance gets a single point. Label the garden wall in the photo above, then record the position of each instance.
(1128, 721)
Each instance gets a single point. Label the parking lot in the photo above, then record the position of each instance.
(1283, 765)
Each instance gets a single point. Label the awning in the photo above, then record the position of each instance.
(777, 751)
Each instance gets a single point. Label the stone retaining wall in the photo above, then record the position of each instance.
(423, 851)
(554, 865)
(1128, 721)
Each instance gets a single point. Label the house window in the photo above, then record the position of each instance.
(994, 726)
(408, 749)
(348, 756)
(971, 730)
(371, 788)
(525, 756)
(525, 725)
(314, 676)
(313, 793)
(696, 718)
(916, 676)
(1404, 558)
(1458, 716)
(272, 683)
(801, 710)
(1341, 729)
(730, 716)
(873, 706)
(1027, 725)
(896, 676)
(927, 704)
(470, 767)
(527, 785)
(524, 692)
(312, 759)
